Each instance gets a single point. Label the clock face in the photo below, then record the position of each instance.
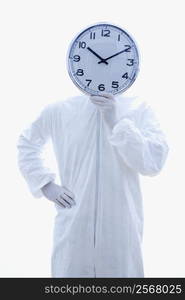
(103, 58)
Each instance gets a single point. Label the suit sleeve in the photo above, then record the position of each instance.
(30, 147)
(143, 148)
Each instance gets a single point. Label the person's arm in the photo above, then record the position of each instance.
(143, 148)
(30, 145)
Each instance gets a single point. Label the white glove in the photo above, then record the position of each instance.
(60, 195)
(106, 104)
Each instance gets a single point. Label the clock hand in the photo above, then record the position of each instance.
(105, 59)
(97, 55)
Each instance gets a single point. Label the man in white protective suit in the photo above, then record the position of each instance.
(102, 144)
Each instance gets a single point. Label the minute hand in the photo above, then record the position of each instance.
(105, 59)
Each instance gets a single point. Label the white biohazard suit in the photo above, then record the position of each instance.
(99, 162)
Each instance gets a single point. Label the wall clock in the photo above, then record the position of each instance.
(103, 58)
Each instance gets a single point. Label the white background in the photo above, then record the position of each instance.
(34, 37)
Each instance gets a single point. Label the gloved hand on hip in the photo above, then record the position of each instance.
(60, 195)
(106, 104)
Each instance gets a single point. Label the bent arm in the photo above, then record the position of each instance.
(143, 148)
(30, 146)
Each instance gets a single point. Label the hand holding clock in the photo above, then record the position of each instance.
(106, 104)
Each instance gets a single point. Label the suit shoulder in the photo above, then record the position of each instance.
(71, 103)
(131, 103)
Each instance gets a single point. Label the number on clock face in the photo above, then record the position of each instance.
(103, 58)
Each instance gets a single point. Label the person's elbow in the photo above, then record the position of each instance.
(154, 162)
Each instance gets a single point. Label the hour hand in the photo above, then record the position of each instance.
(97, 55)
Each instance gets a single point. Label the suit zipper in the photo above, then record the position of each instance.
(97, 178)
